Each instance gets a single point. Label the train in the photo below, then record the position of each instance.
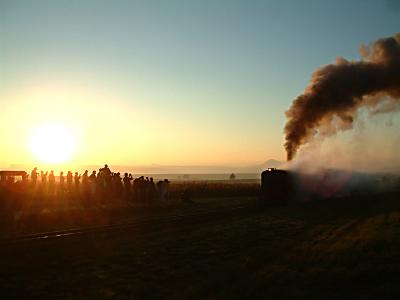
(283, 186)
(277, 186)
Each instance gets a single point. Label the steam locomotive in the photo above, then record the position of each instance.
(281, 186)
(276, 186)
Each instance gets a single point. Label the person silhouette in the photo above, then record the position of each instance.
(100, 185)
(85, 185)
(85, 178)
(159, 186)
(76, 180)
(127, 185)
(43, 176)
(165, 189)
(61, 180)
(92, 180)
(34, 175)
(52, 183)
(106, 170)
(92, 176)
(107, 180)
(151, 191)
(69, 181)
(117, 183)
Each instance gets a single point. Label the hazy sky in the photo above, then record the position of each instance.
(170, 82)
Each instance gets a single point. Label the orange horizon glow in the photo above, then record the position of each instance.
(98, 126)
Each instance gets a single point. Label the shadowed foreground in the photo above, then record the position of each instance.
(331, 249)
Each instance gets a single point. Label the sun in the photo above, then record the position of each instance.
(52, 143)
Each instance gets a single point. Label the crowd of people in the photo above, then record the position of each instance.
(103, 184)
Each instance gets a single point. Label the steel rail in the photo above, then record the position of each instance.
(148, 223)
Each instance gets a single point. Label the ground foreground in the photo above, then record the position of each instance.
(342, 248)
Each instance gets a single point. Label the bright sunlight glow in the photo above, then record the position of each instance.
(52, 143)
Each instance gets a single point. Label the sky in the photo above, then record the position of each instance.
(172, 82)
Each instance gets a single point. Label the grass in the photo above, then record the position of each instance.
(27, 210)
(337, 249)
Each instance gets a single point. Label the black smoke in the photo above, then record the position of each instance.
(336, 92)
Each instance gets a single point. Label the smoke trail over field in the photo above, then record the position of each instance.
(336, 92)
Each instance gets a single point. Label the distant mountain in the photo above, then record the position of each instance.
(271, 163)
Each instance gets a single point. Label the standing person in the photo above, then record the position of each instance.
(166, 189)
(61, 185)
(160, 190)
(113, 185)
(43, 177)
(146, 190)
(69, 181)
(118, 188)
(92, 180)
(127, 185)
(100, 186)
(52, 183)
(106, 170)
(138, 188)
(85, 186)
(106, 175)
(151, 191)
(76, 181)
(135, 189)
(85, 177)
(34, 175)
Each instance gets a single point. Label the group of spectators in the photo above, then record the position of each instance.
(101, 185)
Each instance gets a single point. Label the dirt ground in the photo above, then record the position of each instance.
(335, 249)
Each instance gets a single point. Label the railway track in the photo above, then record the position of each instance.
(147, 224)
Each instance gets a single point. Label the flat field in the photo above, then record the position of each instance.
(334, 249)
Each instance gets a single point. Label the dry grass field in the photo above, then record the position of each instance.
(334, 249)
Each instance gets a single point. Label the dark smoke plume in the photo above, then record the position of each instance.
(336, 92)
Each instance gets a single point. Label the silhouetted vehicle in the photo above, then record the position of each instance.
(6, 176)
(12, 188)
(276, 186)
